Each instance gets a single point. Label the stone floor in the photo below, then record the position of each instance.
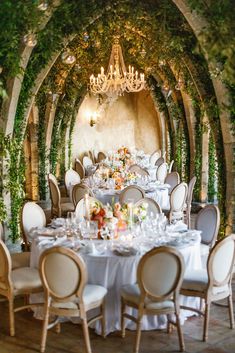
(70, 340)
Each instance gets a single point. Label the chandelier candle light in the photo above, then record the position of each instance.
(117, 80)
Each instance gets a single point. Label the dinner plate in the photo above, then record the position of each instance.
(125, 252)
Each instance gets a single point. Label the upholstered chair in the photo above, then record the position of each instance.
(32, 216)
(208, 222)
(189, 199)
(172, 179)
(177, 201)
(156, 291)
(131, 193)
(58, 208)
(101, 156)
(162, 172)
(135, 168)
(82, 209)
(71, 178)
(15, 282)
(67, 294)
(79, 168)
(79, 191)
(152, 206)
(154, 157)
(159, 161)
(214, 282)
(87, 162)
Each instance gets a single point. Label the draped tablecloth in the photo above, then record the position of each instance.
(112, 271)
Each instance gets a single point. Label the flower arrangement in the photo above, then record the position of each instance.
(124, 155)
(141, 212)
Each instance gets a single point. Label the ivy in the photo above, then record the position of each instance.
(212, 170)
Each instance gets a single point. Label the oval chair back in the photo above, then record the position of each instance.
(162, 173)
(79, 168)
(81, 207)
(32, 215)
(189, 199)
(159, 161)
(170, 166)
(55, 196)
(101, 156)
(152, 206)
(135, 168)
(131, 192)
(172, 179)
(71, 178)
(154, 157)
(177, 201)
(79, 191)
(208, 221)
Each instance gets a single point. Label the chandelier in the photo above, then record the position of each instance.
(117, 80)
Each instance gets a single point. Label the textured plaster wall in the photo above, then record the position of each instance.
(131, 121)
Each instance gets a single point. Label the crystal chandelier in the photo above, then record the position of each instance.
(117, 80)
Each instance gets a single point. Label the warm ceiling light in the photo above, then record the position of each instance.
(117, 80)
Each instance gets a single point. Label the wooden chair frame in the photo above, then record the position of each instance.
(217, 212)
(78, 167)
(130, 187)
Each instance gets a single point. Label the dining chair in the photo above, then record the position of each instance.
(79, 191)
(208, 222)
(170, 166)
(189, 199)
(131, 192)
(172, 179)
(156, 292)
(101, 156)
(214, 282)
(91, 156)
(159, 161)
(32, 216)
(71, 178)
(87, 162)
(58, 208)
(152, 206)
(154, 157)
(82, 208)
(161, 173)
(67, 294)
(79, 168)
(16, 282)
(177, 202)
(135, 168)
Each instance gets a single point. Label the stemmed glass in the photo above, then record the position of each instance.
(104, 233)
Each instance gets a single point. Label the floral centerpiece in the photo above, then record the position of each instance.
(124, 155)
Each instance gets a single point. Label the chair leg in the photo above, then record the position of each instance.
(231, 316)
(138, 334)
(11, 317)
(206, 321)
(169, 324)
(44, 330)
(123, 318)
(180, 333)
(103, 319)
(86, 335)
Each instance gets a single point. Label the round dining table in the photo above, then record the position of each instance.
(113, 268)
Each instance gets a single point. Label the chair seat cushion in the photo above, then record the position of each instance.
(26, 278)
(131, 293)
(195, 280)
(66, 207)
(92, 295)
(21, 259)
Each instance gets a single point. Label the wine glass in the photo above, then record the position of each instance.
(104, 233)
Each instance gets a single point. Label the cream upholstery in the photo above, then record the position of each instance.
(79, 168)
(135, 168)
(21, 259)
(162, 172)
(159, 161)
(177, 201)
(189, 199)
(156, 292)
(64, 276)
(23, 280)
(172, 179)
(154, 157)
(153, 206)
(133, 193)
(79, 192)
(71, 178)
(32, 215)
(214, 283)
(208, 221)
(87, 162)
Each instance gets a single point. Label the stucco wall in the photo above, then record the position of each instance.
(131, 121)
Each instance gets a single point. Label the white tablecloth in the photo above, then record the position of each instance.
(113, 271)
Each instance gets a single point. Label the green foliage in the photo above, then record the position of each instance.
(212, 170)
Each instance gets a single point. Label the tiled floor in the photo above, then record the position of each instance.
(70, 340)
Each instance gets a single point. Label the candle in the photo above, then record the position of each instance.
(130, 214)
(87, 207)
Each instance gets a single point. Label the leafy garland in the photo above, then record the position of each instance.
(212, 169)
